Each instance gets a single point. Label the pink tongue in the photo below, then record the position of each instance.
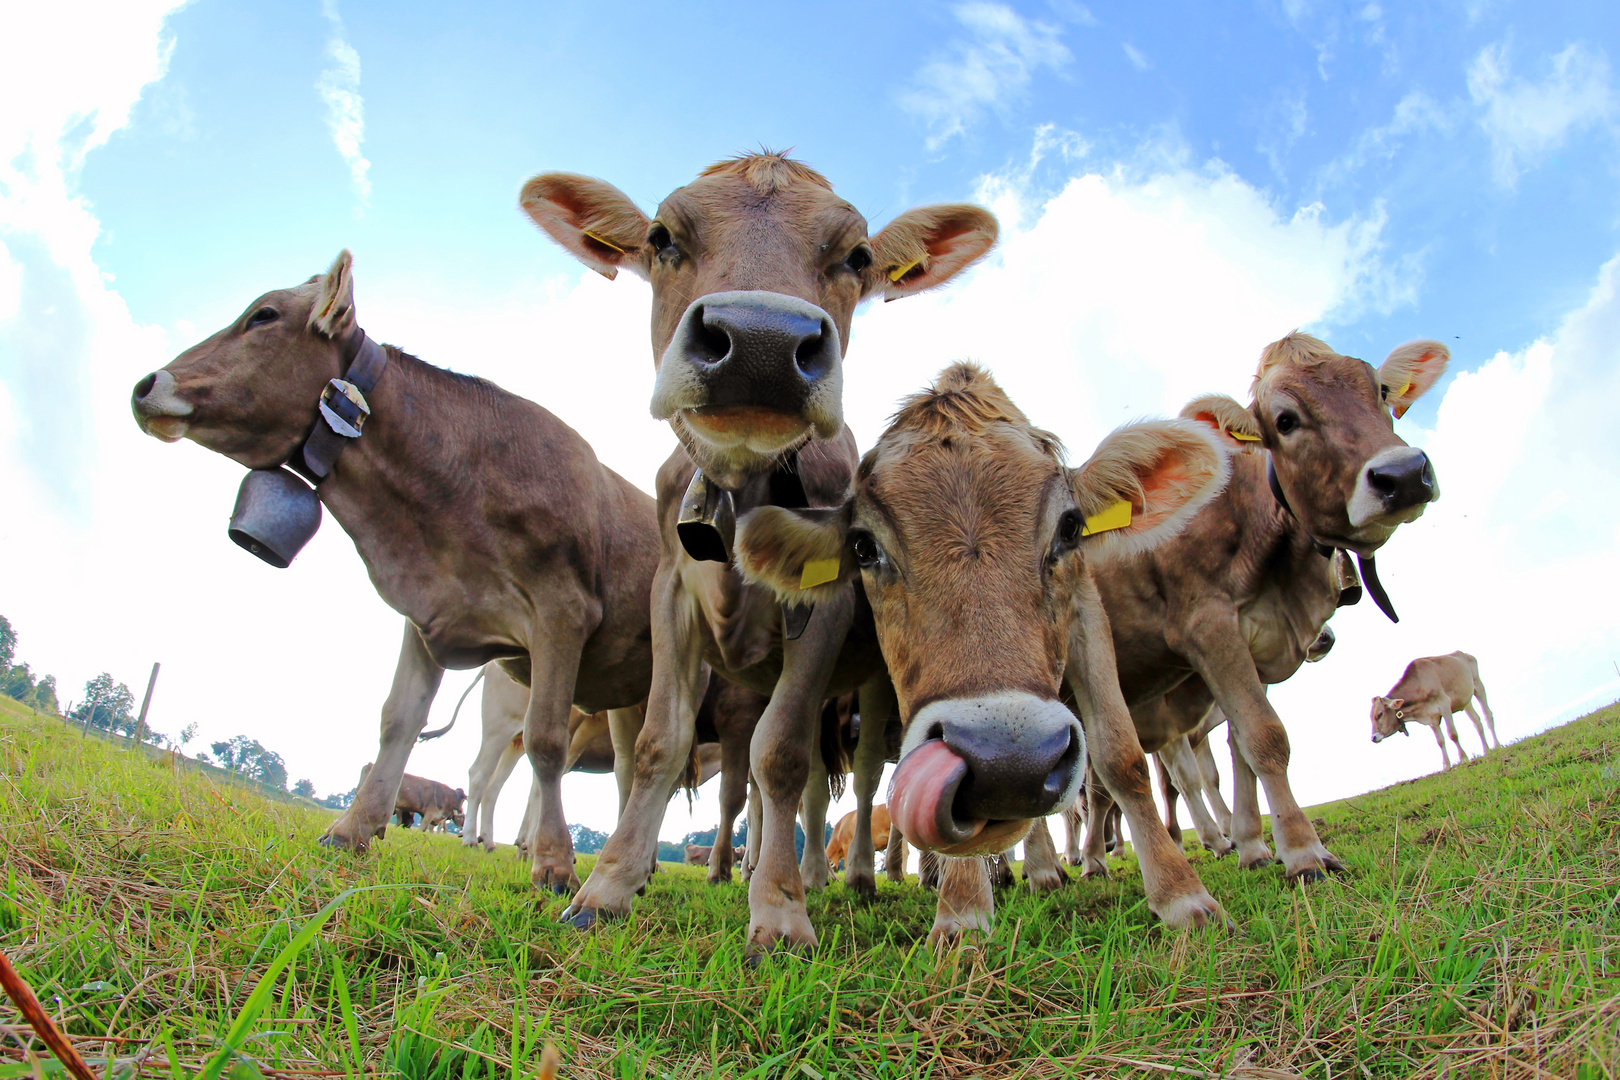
(920, 783)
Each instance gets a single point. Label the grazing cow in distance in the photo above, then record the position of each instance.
(482, 518)
(756, 270)
(1237, 599)
(974, 545)
(844, 834)
(1430, 690)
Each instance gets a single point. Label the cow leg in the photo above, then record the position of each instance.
(1218, 649)
(1479, 692)
(1451, 729)
(1171, 794)
(1177, 758)
(554, 669)
(1042, 871)
(1204, 758)
(1072, 824)
(1478, 727)
(526, 826)
(813, 802)
(510, 753)
(894, 856)
(756, 818)
(1246, 828)
(1116, 833)
(877, 705)
(1099, 805)
(733, 798)
(784, 743)
(661, 753)
(1440, 740)
(416, 680)
(1174, 892)
(492, 747)
(624, 727)
(967, 903)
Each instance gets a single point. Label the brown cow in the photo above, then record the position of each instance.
(482, 518)
(844, 833)
(1241, 595)
(436, 803)
(756, 269)
(1430, 691)
(975, 547)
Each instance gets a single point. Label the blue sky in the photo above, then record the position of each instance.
(1178, 184)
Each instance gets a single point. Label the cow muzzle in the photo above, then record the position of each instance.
(977, 771)
(1321, 646)
(1396, 485)
(159, 410)
(753, 370)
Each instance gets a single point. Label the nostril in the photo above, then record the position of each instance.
(144, 387)
(935, 730)
(1381, 482)
(811, 357)
(711, 342)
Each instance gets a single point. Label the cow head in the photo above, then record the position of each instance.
(1388, 716)
(1328, 421)
(250, 391)
(970, 537)
(756, 269)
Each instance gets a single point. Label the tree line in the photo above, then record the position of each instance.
(108, 706)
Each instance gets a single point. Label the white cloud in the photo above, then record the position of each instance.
(1526, 120)
(1138, 59)
(339, 87)
(989, 69)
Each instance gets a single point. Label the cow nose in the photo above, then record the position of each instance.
(1023, 754)
(753, 349)
(144, 387)
(1402, 480)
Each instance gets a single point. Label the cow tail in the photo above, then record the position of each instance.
(436, 732)
(832, 749)
(691, 774)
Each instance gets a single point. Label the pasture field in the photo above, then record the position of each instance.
(1476, 934)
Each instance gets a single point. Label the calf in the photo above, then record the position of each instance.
(1237, 600)
(844, 834)
(975, 547)
(482, 518)
(756, 270)
(1431, 690)
(436, 803)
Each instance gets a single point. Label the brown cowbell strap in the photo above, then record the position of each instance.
(1369, 570)
(343, 409)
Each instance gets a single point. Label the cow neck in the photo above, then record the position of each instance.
(707, 522)
(1366, 564)
(343, 408)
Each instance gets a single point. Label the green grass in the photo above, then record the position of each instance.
(1476, 934)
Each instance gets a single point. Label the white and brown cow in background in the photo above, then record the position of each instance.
(756, 270)
(974, 545)
(1430, 690)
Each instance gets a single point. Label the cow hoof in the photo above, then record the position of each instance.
(1093, 868)
(1193, 911)
(1046, 881)
(1333, 865)
(580, 918)
(1308, 877)
(720, 879)
(864, 888)
(1257, 864)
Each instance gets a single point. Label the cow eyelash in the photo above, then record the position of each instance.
(262, 317)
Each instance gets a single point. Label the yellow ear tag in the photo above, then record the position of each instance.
(1243, 436)
(1114, 517)
(604, 243)
(818, 572)
(901, 271)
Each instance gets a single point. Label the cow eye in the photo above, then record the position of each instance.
(263, 316)
(865, 549)
(859, 259)
(662, 243)
(1287, 421)
(1068, 530)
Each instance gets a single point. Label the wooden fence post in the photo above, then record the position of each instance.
(146, 702)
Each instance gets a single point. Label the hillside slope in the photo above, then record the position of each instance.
(1476, 934)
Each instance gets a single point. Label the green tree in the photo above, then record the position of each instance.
(335, 801)
(8, 644)
(107, 705)
(251, 759)
(306, 788)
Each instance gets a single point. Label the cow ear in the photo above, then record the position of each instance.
(596, 222)
(798, 554)
(1234, 426)
(1144, 483)
(1409, 371)
(1397, 703)
(333, 314)
(926, 247)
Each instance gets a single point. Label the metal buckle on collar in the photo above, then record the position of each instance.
(344, 408)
